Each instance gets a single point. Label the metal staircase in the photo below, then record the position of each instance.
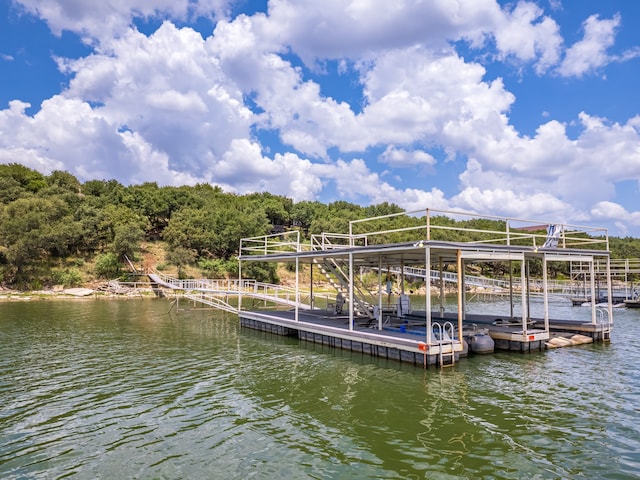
(334, 272)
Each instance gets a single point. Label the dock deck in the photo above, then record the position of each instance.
(319, 326)
(405, 340)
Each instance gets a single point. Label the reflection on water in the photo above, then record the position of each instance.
(122, 389)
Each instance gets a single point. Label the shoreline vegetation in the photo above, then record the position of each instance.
(116, 289)
(58, 231)
(143, 291)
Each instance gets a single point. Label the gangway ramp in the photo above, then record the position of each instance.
(155, 278)
(215, 292)
(436, 275)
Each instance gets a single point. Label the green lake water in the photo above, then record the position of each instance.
(124, 389)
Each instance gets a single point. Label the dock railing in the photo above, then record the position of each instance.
(335, 241)
(202, 284)
(259, 290)
(432, 224)
(288, 241)
(620, 267)
(275, 293)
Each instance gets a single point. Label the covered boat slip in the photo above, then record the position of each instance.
(392, 247)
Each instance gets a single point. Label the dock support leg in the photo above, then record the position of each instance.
(427, 263)
(460, 290)
(350, 292)
(594, 300)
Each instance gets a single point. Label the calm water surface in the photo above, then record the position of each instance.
(123, 389)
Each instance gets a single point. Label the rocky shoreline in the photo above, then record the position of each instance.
(102, 291)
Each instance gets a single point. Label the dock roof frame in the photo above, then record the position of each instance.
(570, 242)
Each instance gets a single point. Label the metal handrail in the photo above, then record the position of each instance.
(568, 233)
(262, 290)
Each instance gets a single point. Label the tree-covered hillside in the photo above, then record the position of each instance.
(51, 224)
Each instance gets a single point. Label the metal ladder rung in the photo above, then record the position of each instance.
(443, 355)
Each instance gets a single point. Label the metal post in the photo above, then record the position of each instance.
(460, 290)
(239, 285)
(351, 233)
(297, 289)
(427, 264)
(311, 286)
(626, 278)
(528, 272)
(350, 290)
(593, 291)
(441, 288)
(511, 288)
(545, 292)
(523, 290)
(610, 293)
(379, 292)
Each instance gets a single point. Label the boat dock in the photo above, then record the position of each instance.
(374, 315)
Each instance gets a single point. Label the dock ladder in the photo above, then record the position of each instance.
(605, 321)
(444, 334)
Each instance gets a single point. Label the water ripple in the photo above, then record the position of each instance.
(123, 390)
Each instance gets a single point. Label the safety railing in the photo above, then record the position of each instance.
(261, 290)
(270, 244)
(514, 231)
(444, 336)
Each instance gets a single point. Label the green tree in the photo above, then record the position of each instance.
(304, 213)
(181, 257)
(31, 229)
(381, 209)
(260, 271)
(215, 230)
(276, 208)
(126, 239)
(10, 190)
(108, 265)
(121, 229)
(70, 277)
(64, 180)
(213, 267)
(29, 179)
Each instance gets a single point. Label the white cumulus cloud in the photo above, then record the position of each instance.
(250, 105)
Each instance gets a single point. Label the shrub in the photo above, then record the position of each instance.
(108, 266)
(79, 262)
(181, 257)
(212, 267)
(260, 271)
(68, 278)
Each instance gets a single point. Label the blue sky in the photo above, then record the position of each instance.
(521, 109)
